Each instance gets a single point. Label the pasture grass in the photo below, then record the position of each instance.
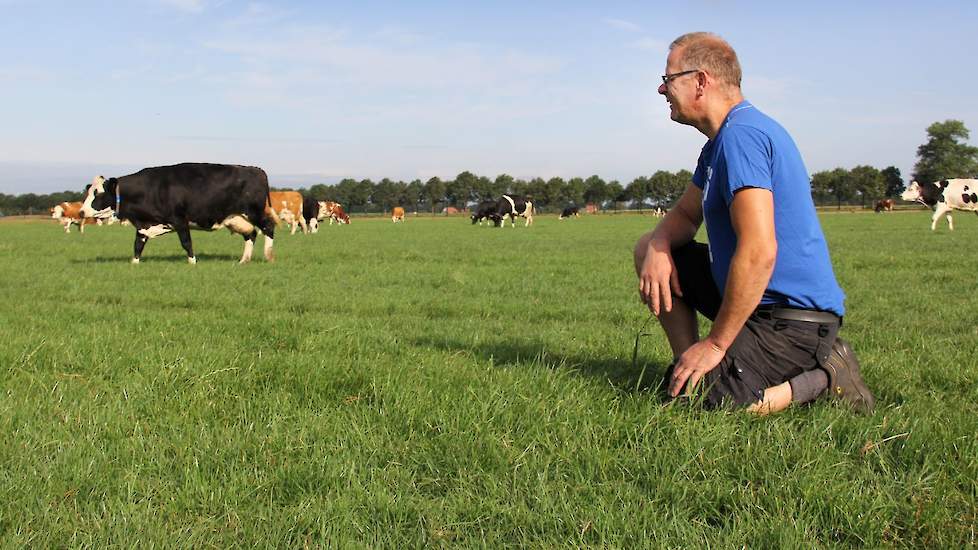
(437, 384)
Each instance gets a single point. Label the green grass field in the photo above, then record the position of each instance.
(437, 384)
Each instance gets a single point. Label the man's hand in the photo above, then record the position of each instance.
(693, 364)
(658, 279)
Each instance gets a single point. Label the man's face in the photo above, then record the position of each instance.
(680, 90)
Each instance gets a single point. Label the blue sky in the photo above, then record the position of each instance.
(317, 91)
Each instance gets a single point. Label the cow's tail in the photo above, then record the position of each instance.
(269, 211)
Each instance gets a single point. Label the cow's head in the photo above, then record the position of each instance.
(912, 193)
(325, 209)
(57, 211)
(100, 199)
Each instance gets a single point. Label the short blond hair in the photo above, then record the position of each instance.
(709, 52)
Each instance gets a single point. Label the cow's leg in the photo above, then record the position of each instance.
(267, 226)
(184, 233)
(67, 226)
(302, 222)
(137, 248)
(938, 211)
(950, 222)
(249, 246)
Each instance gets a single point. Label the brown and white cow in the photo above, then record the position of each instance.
(944, 196)
(883, 205)
(336, 213)
(397, 214)
(288, 207)
(68, 213)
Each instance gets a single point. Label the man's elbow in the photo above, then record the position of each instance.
(764, 257)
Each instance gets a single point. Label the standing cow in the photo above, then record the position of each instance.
(69, 213)
(883, 205)
(944, 196)
(184, 197)
(288, 205)
(512, 206)
(397, 214)
(570, 211)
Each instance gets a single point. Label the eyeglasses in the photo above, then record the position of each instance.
(667, 78)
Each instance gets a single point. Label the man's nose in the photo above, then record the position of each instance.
(662, 88)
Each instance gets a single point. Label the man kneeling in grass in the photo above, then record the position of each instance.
(765, 280)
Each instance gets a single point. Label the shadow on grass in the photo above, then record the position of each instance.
(178, 258)
(620, 373)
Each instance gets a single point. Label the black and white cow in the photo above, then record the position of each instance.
(570, 211)
(945, 196)
(485, 211)
(512, 206)
(313, 212)
(184, 197)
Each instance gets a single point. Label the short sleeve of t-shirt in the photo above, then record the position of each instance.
(747, 155)
(699, 176)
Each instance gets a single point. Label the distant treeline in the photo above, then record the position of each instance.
(860, 185)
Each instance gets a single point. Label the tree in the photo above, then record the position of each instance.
(834, 184)
(320, 191)
(361, 194)
(660, 187)
(502, 184)
(892, 182)
(595, 190)
(552, 192)
(617, 193)
(945, 155)
(384, 194)
(573, 192)
(434, 192)
(638, 190)
(867, 182)
(459, 191)
(412, 194)
(536, 190)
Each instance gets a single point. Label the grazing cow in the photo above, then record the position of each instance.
(658, 212)
(485, 211)
(68, 213)
(336, 213)
(945, 196)
(397, 215)
(288, 206)
(512, 206)
(184, 197)
(570, 211)
(313, 212)
(883, 205)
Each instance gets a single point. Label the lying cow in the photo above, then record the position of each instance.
(485, 211)
(397, 214)
(569, 212)
(883, 205)
(288, 207)
(184, 197)
(513, 206)
(945, 196)
(69, 213)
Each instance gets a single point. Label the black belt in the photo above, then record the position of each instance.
(795, 314)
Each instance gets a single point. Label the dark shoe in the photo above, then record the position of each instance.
(845, 382)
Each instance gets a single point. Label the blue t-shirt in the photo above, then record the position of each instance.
(752, 150)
